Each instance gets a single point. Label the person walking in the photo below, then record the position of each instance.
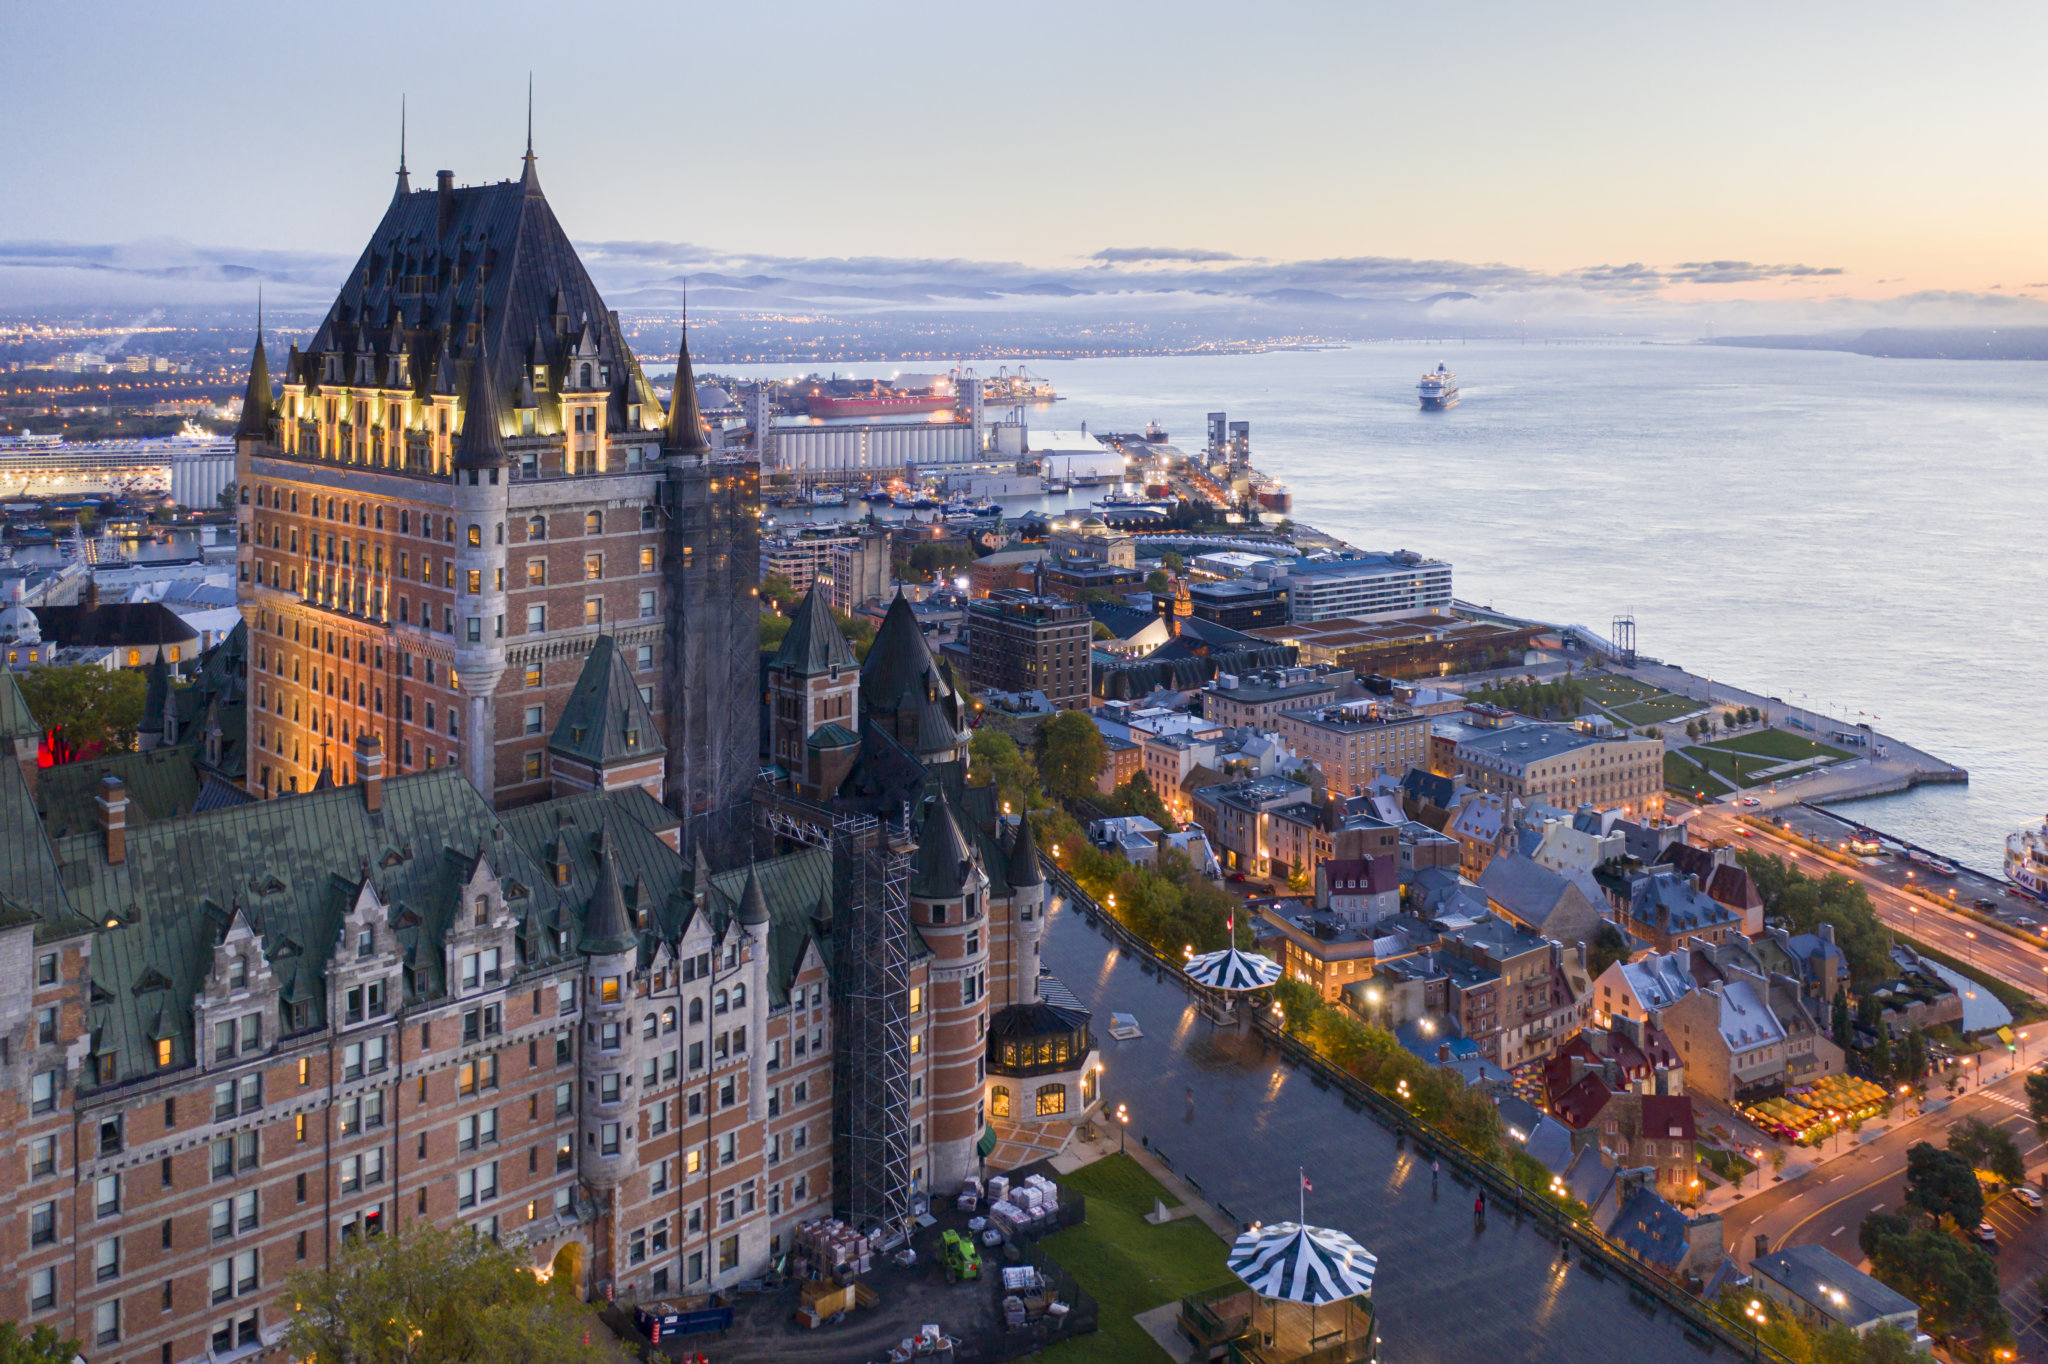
(1432, 1172)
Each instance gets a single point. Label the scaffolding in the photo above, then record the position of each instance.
(871, 940)
(1624, 638)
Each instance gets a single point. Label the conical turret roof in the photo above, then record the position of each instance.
(255, 423)
(607, 927)
(898, 661)
(483, 443)
(753, 908)
(685, 432)
(1021, 867)
(815, 644)
(945, 858)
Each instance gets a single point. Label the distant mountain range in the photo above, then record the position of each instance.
(1918, 343)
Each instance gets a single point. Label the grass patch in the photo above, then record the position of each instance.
(1729, 1166)
(1776, 743)
(1129, 1265)
(1683, 775)
(1656, 710)
(2025, 1008)
(1609, 689)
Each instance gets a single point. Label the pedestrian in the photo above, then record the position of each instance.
(1432, 1172)
(1479, 1205)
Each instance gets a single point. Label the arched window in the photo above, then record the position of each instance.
(739, 996)
(999, 1101)
(668, 1020)
(1052, 1099)
(648, 1027)
(696, 1011)
(719, 1003)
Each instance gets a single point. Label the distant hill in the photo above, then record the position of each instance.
(1918, 343)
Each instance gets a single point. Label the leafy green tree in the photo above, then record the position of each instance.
(1955, 1283)
(226, 497)
(1988, 1148)
(773, 628)
(1839, 1020)
(1071, 752)
(1172, 562)
(1138, 797)
(1808, 901)
(994, 758)
(98, 710)
(1913, 1058)
(40, 1346)
(1943, 1184)
(1881, 1053)
(1158, 581)
(777, 591)
(434, 1296)
(2037, 1101)
(1607, 948)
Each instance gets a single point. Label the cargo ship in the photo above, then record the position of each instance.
(878, 404)
(1438, 390)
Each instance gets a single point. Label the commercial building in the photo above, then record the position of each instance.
(1243, 606)
(1824, 1290)
(862, 452)
(859, 570)
(1260, 698)
(1253, 824)
(1562, 765)
(804, 554)
(1418, 644)
(1354, 741)
(1020, 642)
(1360, 585)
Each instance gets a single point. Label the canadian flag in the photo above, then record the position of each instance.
(1307, 1187)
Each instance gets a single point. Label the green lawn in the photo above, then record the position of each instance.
(1725, 765)
(1129, 1265)
(1776, 743)
(1656, 709)
(1608, 689)
(1681, 775)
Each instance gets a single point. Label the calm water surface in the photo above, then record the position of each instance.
(1845, 529)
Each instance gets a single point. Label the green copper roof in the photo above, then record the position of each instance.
(832, 734)
(162, 784)
(605, 721)
(814, 643)
(30, 879)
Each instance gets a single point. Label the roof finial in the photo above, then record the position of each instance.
(529, 116)
(259, 310)
(404, 180)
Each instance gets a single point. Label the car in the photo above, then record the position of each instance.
(1237, 878)
(1751, 800)
(1747, 832)
(1985, 902)
(2026, 921)
(1988, 1234)
(2029, 1195)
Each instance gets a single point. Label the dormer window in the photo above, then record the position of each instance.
(238, 973)
(483, 911)
(366, 943)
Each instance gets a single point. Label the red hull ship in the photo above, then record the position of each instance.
(823, 405)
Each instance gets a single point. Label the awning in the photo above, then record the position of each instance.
(987, 1142)
(1757, 1071)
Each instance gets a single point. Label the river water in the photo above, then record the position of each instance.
(1838, 530)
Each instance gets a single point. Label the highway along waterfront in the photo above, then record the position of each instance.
(1237, 1120)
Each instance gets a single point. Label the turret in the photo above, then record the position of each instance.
(751, 920)
(480, 501)
(1027, 912)
(610, 949)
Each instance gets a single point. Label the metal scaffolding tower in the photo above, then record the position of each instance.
(1625, 639)
(871, 939)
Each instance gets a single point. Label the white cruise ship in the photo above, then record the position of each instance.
(2026, 860)
(1438, 389)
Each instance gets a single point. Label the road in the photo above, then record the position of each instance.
(1826, 1206)
(1999, 954)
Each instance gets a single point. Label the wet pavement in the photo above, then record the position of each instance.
(1451, 1287)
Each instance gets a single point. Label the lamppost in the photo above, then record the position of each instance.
(1969, 948)
(1755, 1313)
(1123, 1127)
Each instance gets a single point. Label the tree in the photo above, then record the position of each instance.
(1955, 1283)
(1943, 1184)
(41, 1346)
(226, 497)
(994, 758)
(1839, 1022)
(1731, 720)
(1138, 797)
(1071, 753)
(1881, 1053)
(1913, 1056)
(1172, 562)
(1988, 1148)
(98, 710)
(1608, 947)
(2037, 1101)
(1158, 581)
(777, 591)
(434, 1296)
(1807, 902)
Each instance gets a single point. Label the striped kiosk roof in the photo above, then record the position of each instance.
(1297, 1263)
(1231, 969)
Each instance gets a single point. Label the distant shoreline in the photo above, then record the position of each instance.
(1915, 343)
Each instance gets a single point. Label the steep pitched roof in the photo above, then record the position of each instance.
(116, 624)
(945, 861)
(899, 661)
(16, 720)
(815, 644)
(685, 428)
(1021, 868)
(255, 422)
(604, 720)
(483, 439)
(606, 926)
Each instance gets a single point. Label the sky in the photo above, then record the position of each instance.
(1849, 161)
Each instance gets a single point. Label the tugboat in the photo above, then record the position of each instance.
(1438, 390)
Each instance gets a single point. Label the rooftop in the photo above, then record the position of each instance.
(1831, 1285)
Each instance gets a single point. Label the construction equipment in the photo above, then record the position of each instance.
(961, 1259)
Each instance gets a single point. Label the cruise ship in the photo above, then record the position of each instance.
(2026, 860)
(1438, 390)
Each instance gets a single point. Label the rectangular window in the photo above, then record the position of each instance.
(42, 1224)
(536, 619)
(42, 1290)
(43, 1092)
(107, 1196)
(647, 603)
(593, 610)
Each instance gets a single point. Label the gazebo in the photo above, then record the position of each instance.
(1232, 971)
(1307, 1294)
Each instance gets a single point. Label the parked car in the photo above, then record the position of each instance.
(1751, 800)
(1237, 878)
(1988, 1234)
(2029, 1195)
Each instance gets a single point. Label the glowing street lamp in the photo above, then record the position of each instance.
(1755, 1313)
(1123, 1127)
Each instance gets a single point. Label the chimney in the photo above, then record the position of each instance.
(370, 769)
(113, 803)
(1443, 1053)
(444, 190)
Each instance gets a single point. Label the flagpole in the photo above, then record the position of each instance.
(1302, 1173)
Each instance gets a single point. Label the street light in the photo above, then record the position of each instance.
(1755, 1313)
(1123, 1127)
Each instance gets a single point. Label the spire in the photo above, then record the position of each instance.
(607, 927)
(255, 423)
(685, 426)
(404, 180)
(815, 644)
(483, 445)
(529, 178)
(1022, 869)
(753, 909)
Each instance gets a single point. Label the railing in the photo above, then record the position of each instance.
(1597, 1253)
